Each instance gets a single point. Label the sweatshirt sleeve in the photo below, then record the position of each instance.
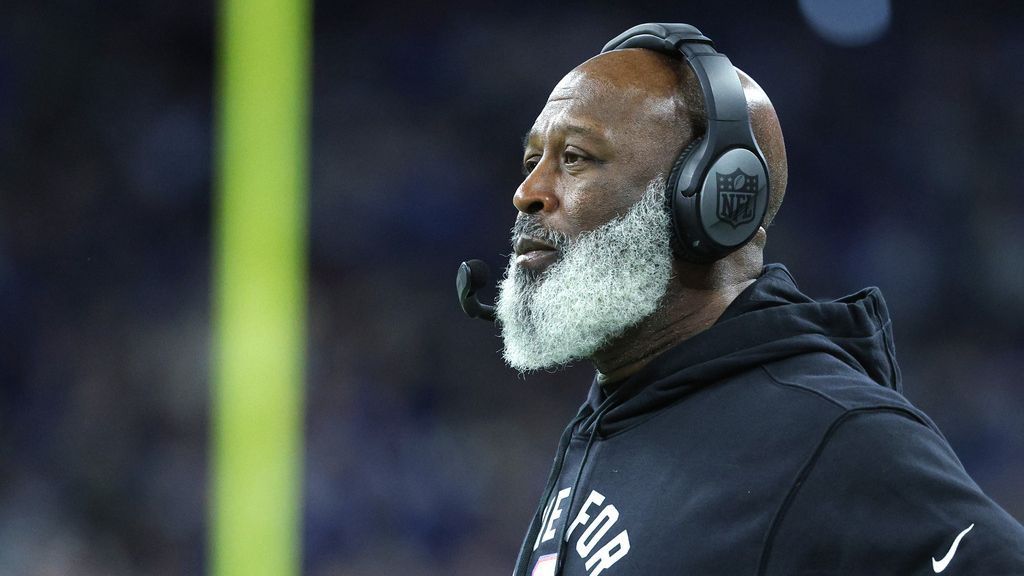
(885, 494)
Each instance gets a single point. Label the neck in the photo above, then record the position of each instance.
(687, 309)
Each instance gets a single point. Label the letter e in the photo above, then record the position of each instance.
(556, 513)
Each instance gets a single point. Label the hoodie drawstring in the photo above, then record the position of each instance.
(538, 518)
(562, 536)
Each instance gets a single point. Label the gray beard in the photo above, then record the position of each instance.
(606, 281)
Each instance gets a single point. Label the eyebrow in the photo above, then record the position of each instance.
(579, 129)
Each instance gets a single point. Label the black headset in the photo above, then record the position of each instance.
(718, 188)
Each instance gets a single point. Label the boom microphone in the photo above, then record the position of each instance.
(471, 277)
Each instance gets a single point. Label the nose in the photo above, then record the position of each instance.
(537, 192)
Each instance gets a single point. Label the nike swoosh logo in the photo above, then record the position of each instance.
(940, 565)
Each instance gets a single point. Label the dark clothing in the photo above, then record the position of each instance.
(777, 442)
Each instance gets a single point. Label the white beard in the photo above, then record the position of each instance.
(606, 281)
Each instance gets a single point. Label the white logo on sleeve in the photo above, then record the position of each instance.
(940, 565)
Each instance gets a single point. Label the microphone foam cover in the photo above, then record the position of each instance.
(479, 272)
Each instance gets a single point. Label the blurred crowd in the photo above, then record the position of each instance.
(424, 454)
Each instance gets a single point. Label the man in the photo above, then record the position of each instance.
(735, 426)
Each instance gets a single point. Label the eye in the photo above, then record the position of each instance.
(529, 164)
(572, 157)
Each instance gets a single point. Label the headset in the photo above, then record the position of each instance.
(717, 191)
(718, 188)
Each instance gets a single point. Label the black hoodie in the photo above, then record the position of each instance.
(777, 442)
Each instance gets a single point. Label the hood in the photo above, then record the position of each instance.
(771, 320)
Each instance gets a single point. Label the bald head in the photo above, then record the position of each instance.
(645, 73)
(655, 89)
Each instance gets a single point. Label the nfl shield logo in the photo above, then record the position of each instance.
(737, 195)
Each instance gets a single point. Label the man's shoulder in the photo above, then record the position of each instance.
(795, 400)
(787, 408)
(801, 401)
(799, 397)
(836, 383)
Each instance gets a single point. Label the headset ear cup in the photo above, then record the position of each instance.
(673, 176)
(672, 194)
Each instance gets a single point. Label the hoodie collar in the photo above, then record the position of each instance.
(770, 320)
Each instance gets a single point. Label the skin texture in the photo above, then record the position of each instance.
(609, 127)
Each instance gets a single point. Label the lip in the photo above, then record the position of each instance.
(526, 244)
(533, 254)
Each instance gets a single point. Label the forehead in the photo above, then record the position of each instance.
(589, 104)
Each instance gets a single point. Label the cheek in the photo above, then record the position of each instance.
(590, 208)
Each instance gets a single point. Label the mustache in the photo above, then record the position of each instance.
(526, 225)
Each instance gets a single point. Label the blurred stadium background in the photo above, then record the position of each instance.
(425, 456)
